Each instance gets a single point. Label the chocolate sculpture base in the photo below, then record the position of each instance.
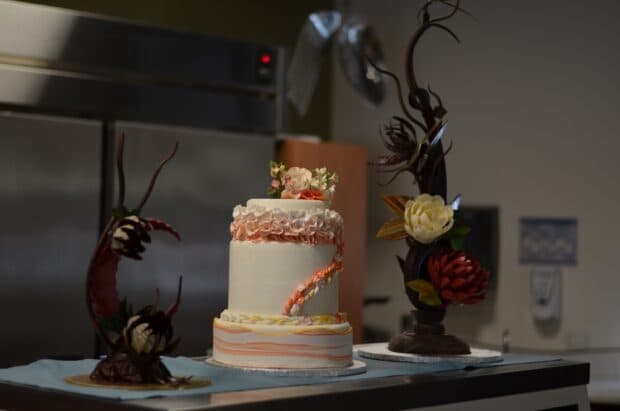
(412, 343)
(122, 367)
(428, 337)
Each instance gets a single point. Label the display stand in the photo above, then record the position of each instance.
(358, 367)
(380, 351)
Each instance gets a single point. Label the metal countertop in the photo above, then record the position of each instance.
(386, 393)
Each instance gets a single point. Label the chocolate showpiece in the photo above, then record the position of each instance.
(136, 341)
(436, 272)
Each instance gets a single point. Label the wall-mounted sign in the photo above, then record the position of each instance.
(548, 241)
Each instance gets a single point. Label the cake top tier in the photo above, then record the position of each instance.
(285, 204)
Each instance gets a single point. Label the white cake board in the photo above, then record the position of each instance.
(379, 351)
(358, 367)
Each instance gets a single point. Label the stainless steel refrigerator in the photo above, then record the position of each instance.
(71, 82)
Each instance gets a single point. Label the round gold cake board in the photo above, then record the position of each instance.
(380, 351)
(85, 381)
(358, 367)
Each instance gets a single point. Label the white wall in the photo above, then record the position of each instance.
(533, 95)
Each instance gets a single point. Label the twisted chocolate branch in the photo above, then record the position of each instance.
(104, 262)
(172, 310)
(149, 190)
(103, 244)
(424, 159)
(120, 148)
(401, 100)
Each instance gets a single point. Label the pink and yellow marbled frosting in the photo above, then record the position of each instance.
(278, 346)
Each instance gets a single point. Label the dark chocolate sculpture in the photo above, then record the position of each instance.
(136, 341)
(436, 271)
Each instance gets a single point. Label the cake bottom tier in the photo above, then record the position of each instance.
(282, 346)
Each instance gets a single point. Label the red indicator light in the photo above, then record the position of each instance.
(265, 58)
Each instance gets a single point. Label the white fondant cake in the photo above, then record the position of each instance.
(283, 288)
(277, 269)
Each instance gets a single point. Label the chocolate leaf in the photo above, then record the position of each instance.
(426, 292)
(163, 226)
(401, 263)
(393, 230)
(459, 230)
(410, 269)
(457, 243)
(396, 203)
(120, 213)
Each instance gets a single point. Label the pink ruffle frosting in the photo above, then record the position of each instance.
(311, 226)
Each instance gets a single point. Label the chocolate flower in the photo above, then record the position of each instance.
(457, 277)
(427, 217)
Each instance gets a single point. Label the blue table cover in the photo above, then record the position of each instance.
(50, 374)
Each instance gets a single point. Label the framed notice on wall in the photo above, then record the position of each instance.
(548, 241)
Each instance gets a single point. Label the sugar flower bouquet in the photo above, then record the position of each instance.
(301, 183)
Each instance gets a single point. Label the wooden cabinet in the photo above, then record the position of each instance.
(350, 162)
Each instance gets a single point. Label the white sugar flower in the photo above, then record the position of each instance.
(428, 217)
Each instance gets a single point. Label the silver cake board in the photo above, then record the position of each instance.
(380, 351)
(358, 367)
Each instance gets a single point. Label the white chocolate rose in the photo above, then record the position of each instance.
(296, 179)
(427, 217)
(143, 340)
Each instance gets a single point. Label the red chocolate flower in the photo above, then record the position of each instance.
(311, 194)
(457, 277)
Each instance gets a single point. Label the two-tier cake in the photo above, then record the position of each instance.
(285, 256)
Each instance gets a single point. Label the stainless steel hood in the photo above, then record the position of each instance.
(73, 62)
(69, 82)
